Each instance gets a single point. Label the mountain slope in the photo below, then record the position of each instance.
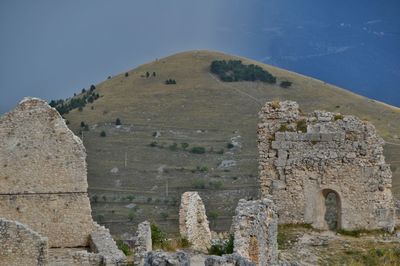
(140, 168)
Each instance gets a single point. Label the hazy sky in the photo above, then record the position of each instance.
(51, 49)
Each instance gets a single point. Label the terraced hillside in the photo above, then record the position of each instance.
(198, 134)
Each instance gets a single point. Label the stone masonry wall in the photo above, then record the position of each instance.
(43, 174)
(39, 154)
(43, 184)
(64, 218)
(255, 227)
(193, 223)
(19, 245)
(304, 157)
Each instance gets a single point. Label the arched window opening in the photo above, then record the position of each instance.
(332, 209)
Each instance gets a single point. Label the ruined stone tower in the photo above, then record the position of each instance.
(43, 189)
(324, 169)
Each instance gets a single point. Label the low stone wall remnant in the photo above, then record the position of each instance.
(102, 243)
(142, 242)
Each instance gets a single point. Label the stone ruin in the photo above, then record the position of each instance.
(324, 169)
(20, 245)
(255, 229)
(142, 243)
(193, 223)
(158, 258)
(43, 192)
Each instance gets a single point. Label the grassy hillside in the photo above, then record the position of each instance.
(140, 168)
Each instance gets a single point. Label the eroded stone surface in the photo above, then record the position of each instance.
(38, 152)
(64, 218)
(193, 223)
(43, 184)
(19, 245)
(255, 228)
(158, 258)
(142, 242)
(102, 243)
(303, 158)
(43, 174)
(228, 260)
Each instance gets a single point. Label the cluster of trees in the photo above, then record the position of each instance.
(170, 81)
(148, 74)
(235, 70)
(78, 101)
(285, 84)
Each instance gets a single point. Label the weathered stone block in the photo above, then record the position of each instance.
(278, 184)
(255, 227)
(65, 219)
(101, 242)
(19, 245)
(326, 136)
(193, 223)
(280, 136)
(45, 187)
(313, 137)
(228, 260)
(38, 152)
(143, 243)
(157, 258)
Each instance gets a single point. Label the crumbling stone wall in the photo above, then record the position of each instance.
(19, 245)
(64, 218)
(43, 185)
(255, 227)
(43, 174)
(39, 154)
(303, 158)
(102, 243)
(193, 223)
(142, 243)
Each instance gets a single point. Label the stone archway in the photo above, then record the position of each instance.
(329, 210)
